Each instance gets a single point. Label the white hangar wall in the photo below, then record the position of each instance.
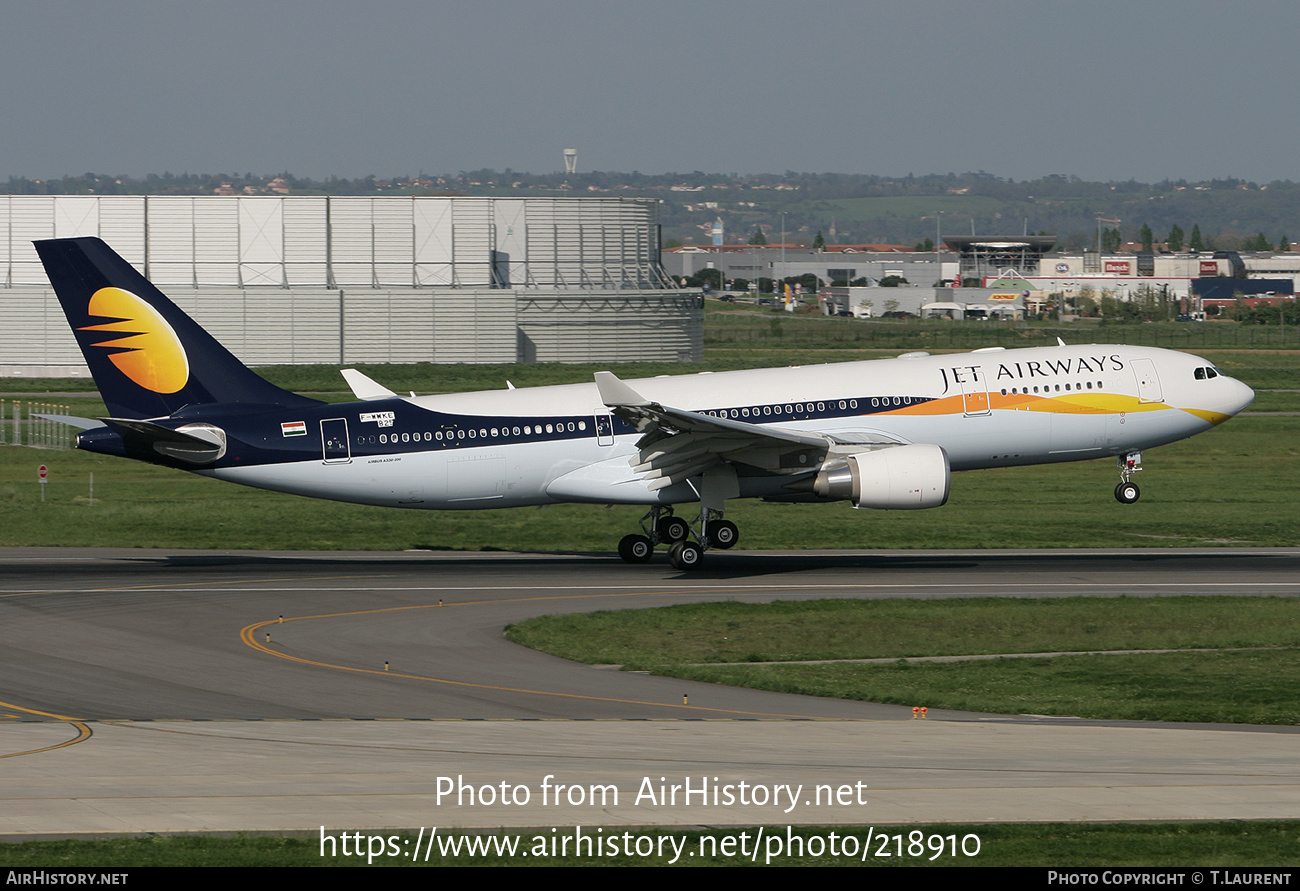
(308, 279)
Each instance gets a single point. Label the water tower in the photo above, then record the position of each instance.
(570, 160)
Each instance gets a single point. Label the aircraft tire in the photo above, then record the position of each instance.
(1127, 493)
(685, 555)
(673, 529)
(635, 549)
(723, 534)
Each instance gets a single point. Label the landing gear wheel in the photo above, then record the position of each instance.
(685, 555)
(635, 549)
(723, 534)
(1127, 493)
(672, 529)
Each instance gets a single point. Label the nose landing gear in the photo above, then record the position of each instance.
(1127, 492)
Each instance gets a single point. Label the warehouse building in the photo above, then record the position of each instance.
(316, 279)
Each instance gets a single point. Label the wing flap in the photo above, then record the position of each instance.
(677, 445)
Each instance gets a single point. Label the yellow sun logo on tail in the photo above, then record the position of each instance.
(151, 353)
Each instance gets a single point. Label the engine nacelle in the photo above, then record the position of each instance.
(909, 477)
(202, 444)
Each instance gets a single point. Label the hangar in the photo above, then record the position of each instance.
(353, 280)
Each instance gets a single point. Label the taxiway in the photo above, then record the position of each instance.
(199, 691)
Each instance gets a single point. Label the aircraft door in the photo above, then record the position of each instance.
(975, 396)
(604, 429)
(1148, 382)
(334, 441)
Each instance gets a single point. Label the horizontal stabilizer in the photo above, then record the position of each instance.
(72, 421)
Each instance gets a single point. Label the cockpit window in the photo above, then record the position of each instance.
(1206, 373)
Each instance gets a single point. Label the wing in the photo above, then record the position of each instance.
(676, 444)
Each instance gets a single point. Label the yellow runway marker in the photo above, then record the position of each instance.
(83, 732)
(249, 632)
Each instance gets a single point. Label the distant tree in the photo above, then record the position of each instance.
(1110, 239)
(1196, 242)
(1176, 238)
(808, 283)
(1284, 244)
(1147, 237)
(927, 245)
(1228, 241)
(1258, 243)
(758, 237)
(819, 243)
(1281, 313)
(892, 281)
(671, 243)
(706, 278)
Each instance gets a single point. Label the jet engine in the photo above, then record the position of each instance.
(909, 477)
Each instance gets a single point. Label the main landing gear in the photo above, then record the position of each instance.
(1127, 492)
(662, 527)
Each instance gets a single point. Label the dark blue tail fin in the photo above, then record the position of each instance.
(147, 357)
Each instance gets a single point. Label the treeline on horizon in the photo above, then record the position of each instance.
(847, 208)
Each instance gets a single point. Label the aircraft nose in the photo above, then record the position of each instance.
(1238, 396)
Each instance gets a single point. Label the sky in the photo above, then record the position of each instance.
(1102, 89)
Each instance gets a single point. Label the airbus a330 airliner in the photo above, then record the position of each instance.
(882, 434)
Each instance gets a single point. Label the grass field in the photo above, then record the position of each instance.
(1245, 669)
(1257, 844)
(1234, 486)
(1248, 687)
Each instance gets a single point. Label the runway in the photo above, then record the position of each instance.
(148, 691)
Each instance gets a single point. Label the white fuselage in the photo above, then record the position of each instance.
(985, 409)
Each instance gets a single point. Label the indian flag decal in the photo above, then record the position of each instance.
(293, 428)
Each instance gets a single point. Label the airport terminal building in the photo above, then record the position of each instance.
(1006, 276)
(316, 279)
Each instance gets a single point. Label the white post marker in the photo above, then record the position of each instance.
(43, 472)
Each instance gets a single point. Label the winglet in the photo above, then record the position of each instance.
(364, 388)
(614, 392)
